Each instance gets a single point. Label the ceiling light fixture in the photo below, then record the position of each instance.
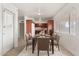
(39, 16)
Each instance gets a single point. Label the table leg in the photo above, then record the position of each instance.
(52, 46)
(32, 45)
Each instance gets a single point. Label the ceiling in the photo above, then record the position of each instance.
(32, 9)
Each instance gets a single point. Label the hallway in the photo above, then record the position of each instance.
(39, 26)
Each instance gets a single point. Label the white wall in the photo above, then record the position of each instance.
(13, 9)
(70, 41)
(0, 29)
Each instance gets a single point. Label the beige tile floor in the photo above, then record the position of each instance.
(42, 53)
(21, 51)
(17, 50)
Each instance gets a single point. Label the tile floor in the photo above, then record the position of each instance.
(17, 50)
(41, 53)
(21, 51)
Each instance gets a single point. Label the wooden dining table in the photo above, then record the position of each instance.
(34, 42)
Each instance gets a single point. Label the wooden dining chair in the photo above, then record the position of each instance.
(43, 44)
(28, 40)
(56, 40)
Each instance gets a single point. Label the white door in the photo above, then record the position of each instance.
(7, 31)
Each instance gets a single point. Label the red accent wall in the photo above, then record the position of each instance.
(29, 26)
(50, 24)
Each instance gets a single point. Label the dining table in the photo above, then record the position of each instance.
(34, 42)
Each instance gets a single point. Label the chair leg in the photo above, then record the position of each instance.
(38, 52)
(48, 52)
(58, 47)
(50, 47)
(26, 46)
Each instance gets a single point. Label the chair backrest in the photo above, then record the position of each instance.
(30, 36)
(57, 37)
(26, 36)
(43, 43)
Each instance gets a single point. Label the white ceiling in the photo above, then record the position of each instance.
(31, 9)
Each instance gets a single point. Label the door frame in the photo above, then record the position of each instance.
(3, 10)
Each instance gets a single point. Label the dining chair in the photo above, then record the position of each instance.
(43, 45)
(56, 40)
(28, 40)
